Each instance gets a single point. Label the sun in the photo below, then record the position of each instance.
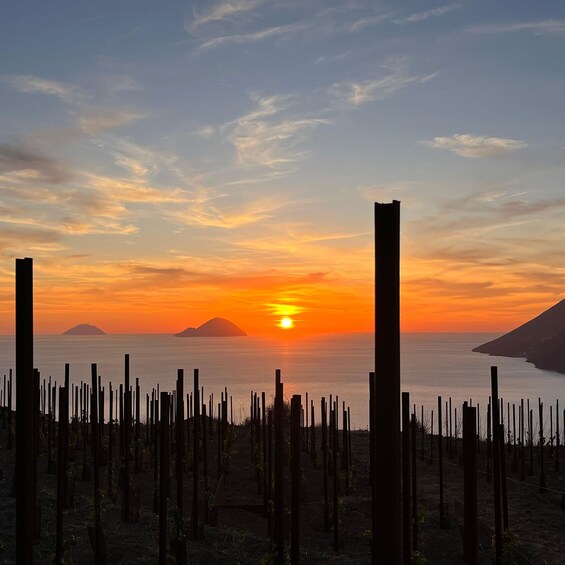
(286, 323)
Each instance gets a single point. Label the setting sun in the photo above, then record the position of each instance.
(286, 323)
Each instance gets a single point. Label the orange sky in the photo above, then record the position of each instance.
(141, 299)
(223, 160)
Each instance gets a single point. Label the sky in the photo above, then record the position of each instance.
(168, 162)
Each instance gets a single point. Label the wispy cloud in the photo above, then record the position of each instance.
(467, 145)
(541, 27)
(32, 84)
(205, 208)
(427, 14)
(224, 11)
(254, 37)
(395, 78)
(265, 138)
(205, 132)
(97, 120)
(368, 21)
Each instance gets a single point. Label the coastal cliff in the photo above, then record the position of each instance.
(540, 341)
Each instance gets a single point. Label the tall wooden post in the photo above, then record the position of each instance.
(406, 518)
(325, 463)
(279, 471)
(414, 485)
(195, 450)
(26, 471)
(164, 477)
(179, 439)
(442, 517)
(126, 436)
(61, 471)
(98, 557)
(387, 547)
(496, 464)
(470, 541)
(295, 408)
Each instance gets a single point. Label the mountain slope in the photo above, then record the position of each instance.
(541, 340)
(84, 329)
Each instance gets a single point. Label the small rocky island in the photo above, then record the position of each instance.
(541, 340)
(216, 327)
(84, 329)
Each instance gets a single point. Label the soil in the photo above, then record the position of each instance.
(240, 534)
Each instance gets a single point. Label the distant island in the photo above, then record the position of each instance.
(541, 340)
(84, 329)
(216, 327)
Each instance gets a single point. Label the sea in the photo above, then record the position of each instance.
(432, 365)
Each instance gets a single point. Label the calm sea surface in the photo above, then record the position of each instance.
(432, 365)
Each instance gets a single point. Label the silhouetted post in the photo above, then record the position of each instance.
(478, 429)
(414, 486)
(295, 409)
(98, 556)
(503, 490)
(406, 478)
(432, 438)
(442, 519)
(25, 471)
(522, 442)
(489, 443)
(179, 428)
(450, 430)
(542, 482)
(387, 548)
(325, 464)
(127, 430)
(372, 447)
(345, 450)
(9, 440)
(147, 422)
(279, 470)
(205, 430)
(163, 479)
(137, 426)
(470, 537)
(514, 449)
(61, 472)
(156, 458)
(531, 434)
(196, 456)
(110, 442)
(313, 434)
(496, 463)
(423, 434)
(270, 474)
(335, 474)
(264, 450)
(557, 436)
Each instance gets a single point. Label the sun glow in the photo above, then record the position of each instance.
(286, 323)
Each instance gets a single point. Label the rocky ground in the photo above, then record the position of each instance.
(240, 535)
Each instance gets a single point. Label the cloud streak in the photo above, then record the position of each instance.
(265, 138)
(427, 14)
(256, 36)
(34, 84)
(541, 27)
(393, 80)
(474, 146)
(224, 11)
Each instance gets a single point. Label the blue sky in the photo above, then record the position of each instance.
(168, 162)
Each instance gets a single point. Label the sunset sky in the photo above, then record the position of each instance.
(167, 162)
